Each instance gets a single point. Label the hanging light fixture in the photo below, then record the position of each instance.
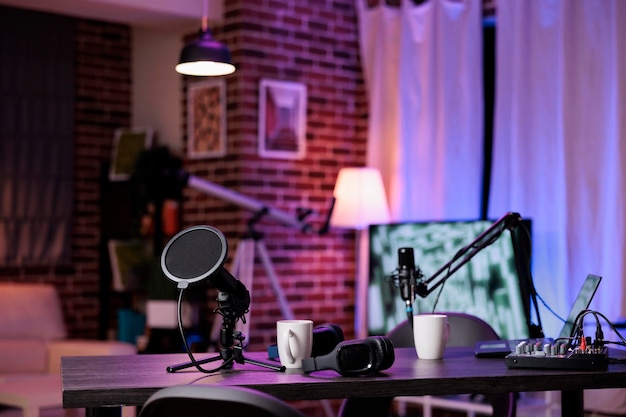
(205, 56)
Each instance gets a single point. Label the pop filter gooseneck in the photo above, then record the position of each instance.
(197, 254)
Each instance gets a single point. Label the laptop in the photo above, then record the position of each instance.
(501, 348)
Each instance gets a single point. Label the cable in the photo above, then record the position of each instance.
(445, 279)
(187, 349)
(577, 331)
(549, 308)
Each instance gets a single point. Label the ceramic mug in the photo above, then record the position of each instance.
(430, 334)
(295, 341)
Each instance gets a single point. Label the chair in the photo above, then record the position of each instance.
(33, 338)
(465, 330)
(205, 400)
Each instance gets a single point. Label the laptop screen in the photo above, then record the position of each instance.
(583, 299)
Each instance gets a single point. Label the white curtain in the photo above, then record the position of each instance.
(423, 73)
(558, 158)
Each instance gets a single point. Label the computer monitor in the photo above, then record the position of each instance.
(490, 286)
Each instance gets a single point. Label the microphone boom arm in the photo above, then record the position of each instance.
(508, 221)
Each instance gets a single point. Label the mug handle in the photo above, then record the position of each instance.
(289, 336)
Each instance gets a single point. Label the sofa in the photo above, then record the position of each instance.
(33, 338)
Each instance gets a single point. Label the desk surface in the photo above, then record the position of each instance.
(97, 381)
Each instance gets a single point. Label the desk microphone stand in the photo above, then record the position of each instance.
(231, 343)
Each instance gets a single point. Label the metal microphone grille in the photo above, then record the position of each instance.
(195, 252)
(406, 259)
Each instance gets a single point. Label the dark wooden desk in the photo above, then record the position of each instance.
(111, 381)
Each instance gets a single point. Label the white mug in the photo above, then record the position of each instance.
(295, 341)
(430, 334)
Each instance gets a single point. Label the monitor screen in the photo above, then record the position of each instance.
(488, 286)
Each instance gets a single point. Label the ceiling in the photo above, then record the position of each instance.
(166, 14)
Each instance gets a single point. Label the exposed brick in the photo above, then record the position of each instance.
(307, 42)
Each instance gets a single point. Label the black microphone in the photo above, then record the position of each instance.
(406, 273)
(407, 278)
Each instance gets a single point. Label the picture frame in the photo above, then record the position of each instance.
(282, 119)
(206, 119)
(130, 263)
(128, 143)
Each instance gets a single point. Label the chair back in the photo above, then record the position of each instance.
(204, 400)
(465, 330)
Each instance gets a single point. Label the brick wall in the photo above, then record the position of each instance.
(310, 42)
(103, 92)
(315, 43)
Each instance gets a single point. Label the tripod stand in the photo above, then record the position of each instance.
(231, 350)
(243, 267)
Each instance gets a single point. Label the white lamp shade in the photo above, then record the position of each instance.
(360, 199)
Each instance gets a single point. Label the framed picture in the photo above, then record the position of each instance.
(130, 264)
(206, 119)
(127, 145)
(282, 119)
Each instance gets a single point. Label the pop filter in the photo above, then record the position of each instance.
(198, 253)
(194, 254)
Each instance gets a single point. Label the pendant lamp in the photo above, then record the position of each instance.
(205, 56)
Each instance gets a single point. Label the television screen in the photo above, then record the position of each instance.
(488, 286)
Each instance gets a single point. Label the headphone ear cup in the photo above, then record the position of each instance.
(325, 338)
(390, 354)
(355, 357)
(337, 330)
(378, 350)
(384, 351)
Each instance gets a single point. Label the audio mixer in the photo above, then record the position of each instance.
(558, 355)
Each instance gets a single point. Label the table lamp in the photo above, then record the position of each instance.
(360, 200)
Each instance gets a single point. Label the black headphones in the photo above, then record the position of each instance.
(355, 357)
